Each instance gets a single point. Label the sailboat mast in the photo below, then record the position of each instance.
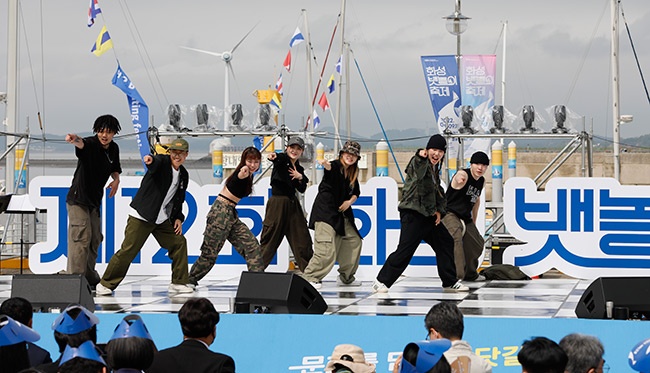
(616, 135)
(503, 65)
(348, 121)
(12, 90)
(337, 140)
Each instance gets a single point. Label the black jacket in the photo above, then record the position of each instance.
(191, 356)
(153, 188)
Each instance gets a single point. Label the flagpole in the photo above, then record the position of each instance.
(310, 88)
(338, 97)
(12, 91)
(348, 120)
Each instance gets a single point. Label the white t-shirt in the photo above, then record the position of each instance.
(163, 214)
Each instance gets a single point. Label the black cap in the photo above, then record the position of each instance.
(437, 142)
(296, 141)
(480, 158)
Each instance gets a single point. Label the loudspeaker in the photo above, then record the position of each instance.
(631, 293)
(268, 292)
(52, 292)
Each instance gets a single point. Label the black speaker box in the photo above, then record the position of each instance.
(632, 293)
(52, 292)
(268, 292)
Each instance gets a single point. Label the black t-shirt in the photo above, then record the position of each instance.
(94, 166)
(461, 201)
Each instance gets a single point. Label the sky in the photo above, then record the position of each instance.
(557, 52)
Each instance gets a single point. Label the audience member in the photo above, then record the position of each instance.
(424, 357)
(20, 309)
(284, 215)
(585, 353)
(198, 319)
(639, 357)
(13, 346)
(541, 355)
(444, 320)
(347, 358)
(463, 201)
(82, 359)
(131, 347)
(74, 326)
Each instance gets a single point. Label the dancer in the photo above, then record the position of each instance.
(223, 223)
(463, 201)
(336, 237)
(284, 215)
(98, 157)
(423, 202)
(156, 209)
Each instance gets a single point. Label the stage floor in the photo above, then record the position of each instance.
(541, 298)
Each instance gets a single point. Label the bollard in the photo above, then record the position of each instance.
(382, 158)
(497, 172)
(320, 155)
(217, 161)
(512, 159)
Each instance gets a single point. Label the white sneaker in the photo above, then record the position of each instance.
(455, 288)
(479, 278)
(316, 285)
(378, 287)
(180, 288)
(340, 282)
(101, 290)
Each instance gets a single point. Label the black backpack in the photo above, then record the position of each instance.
(504, 272)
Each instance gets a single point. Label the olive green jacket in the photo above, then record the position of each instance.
(422, 192)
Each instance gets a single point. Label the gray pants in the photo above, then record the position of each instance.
(329, 248)
(468, 247)
(84, 238)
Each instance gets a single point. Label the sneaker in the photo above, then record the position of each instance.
(479, 278)
(180, 288)
(340, 282)
(101, 290)
(378, 287)
(455, 288)
(316, 285)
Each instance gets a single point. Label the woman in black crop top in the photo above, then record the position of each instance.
(223, 223)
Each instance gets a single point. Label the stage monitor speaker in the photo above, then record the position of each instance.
(49, 293)
(267, 292)
(631, 294)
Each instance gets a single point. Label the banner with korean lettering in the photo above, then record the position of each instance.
(138, 108)
(441, 76)
(477, 85)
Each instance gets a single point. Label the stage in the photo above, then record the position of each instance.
(500, 315)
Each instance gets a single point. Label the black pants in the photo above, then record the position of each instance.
(416, 227)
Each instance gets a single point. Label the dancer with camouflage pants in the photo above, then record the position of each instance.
(223, 222)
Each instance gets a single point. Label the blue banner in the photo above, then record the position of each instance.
(139, 110)
(443, 84)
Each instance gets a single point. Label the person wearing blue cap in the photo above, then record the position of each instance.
(463, 201)
(424, 357)
(82, 359)
(21, 310)
(131, 347)
(13, 347)
(74, 326)
(639, 357)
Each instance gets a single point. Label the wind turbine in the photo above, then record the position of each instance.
(226, 57)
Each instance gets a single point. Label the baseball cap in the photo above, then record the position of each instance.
(296, 140)
(179, 144)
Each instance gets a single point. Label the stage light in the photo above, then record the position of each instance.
(528, 114)
(559, 112)
(466, 115)
(202, 115)
(497, 118)
(236, 116)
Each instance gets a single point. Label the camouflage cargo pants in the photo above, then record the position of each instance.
(223, 224)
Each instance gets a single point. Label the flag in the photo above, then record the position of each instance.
(338, 65)
(103, 43)
(297, 38)
(139, 111)
(331, 84)
(278, 85)
(323, 102)
(316, 119)
(287, 61)
(276, 101)
(93, 11)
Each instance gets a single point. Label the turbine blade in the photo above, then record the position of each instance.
(202, 51)
(245, 36)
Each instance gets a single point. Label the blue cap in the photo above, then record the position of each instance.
(639, 357)
(12, 332)
(131, 326)
(429, 353)
(67, 325)
(85, 350)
